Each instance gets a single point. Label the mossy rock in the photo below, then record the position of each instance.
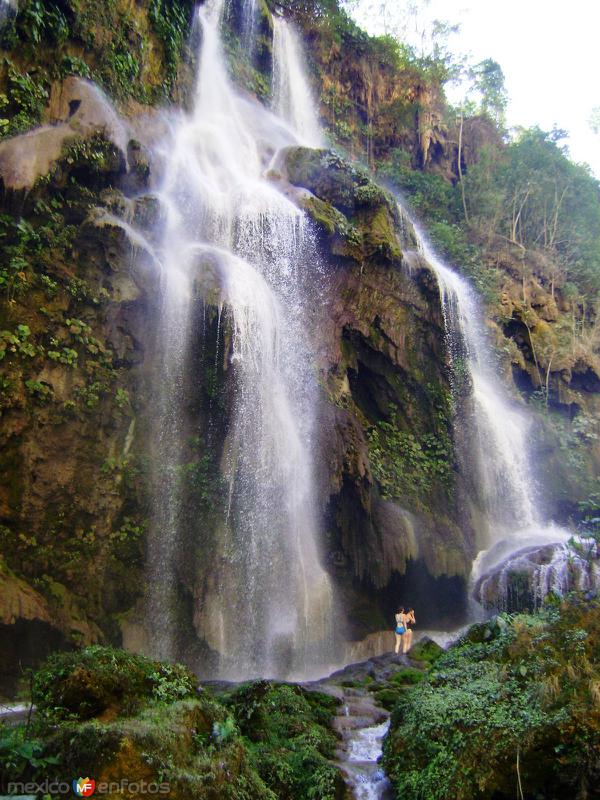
(426, 651)
(343, 238)
(379, 235)
(407, 676)
(388, 696)
(175, 744)
(356, 214)
(101, 680)
(289, 738)
(333, 179)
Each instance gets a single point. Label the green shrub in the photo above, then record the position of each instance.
(86, 683)
(405, 462)
(528, 695)
(287, 733)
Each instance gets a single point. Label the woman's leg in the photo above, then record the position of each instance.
(398, 642)
(407, 641)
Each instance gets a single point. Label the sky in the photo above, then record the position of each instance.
(549, 51)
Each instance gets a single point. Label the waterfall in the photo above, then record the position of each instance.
(7, 7)
(501, 452)
(499, 448)
(265, 605)
(292, 97)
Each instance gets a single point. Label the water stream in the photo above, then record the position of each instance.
(366, 778)
(266, 604)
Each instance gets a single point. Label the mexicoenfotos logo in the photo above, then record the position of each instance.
(84, 787)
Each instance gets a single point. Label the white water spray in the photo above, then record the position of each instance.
(292, 97)
(265, 603)
(367, 779)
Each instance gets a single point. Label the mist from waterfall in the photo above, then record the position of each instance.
(499, 431)
(231, 238)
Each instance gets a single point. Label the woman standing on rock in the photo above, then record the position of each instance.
(409, 619)
(400, 628)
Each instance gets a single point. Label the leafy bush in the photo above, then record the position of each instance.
(171, 22)
(20, 755)
(287, 733)
(22, 106)
(523, 705)
(86, 683)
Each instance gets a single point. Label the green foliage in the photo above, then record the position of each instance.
(20, 755)
(27, 246)
(171, 23)
(122, 398)
(587, 542)
(22, 106)
(286, 731)
(17, 342)
(488, 80)
(96, 155)
(406, 463)
(85, 683)
(72, 65)
(40, 391)
(536, 197)
(39, 20)
(224, 731)
(530, 691)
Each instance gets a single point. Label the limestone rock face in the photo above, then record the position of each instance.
(383, 363)
(20, 601)
(77, 110)
(522, 581)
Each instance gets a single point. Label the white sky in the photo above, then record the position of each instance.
(549, 51)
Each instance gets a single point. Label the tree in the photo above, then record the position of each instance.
(426, 39)
(488, 81)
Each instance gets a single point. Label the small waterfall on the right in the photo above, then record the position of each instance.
(516, 541)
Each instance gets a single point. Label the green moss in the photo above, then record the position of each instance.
(379, 235)
(289, 739)
(426, 651)
(89, 682)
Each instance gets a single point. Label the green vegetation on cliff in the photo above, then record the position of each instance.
(131, 50)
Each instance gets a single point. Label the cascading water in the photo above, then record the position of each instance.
(507, 484)
(7, 7)
(292, 98)
(499, 448)
(266, 606)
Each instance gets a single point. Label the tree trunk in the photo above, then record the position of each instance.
(460, 173)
